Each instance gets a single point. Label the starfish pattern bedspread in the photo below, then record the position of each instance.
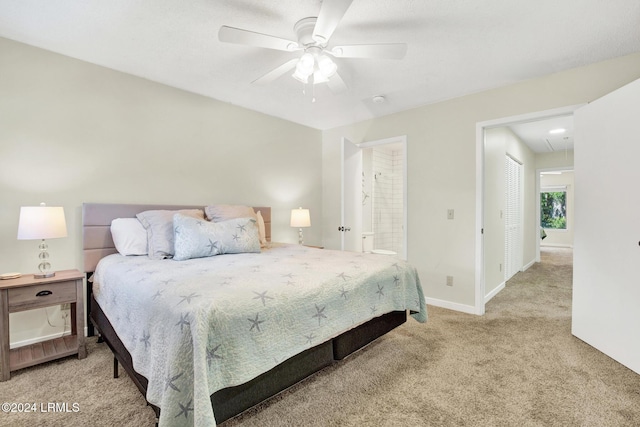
(195, 327)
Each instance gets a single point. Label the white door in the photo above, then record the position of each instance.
(351, 216)
(606, 278)
(513, 219)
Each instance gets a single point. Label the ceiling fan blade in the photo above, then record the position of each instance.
(383, 51)
(331, 13)
(336, 84)
(276, 72)
(240, 36)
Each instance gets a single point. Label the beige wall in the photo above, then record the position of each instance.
(442, 167)
(555, 160)
(71, 132)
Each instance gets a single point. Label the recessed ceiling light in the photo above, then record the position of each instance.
(556, 131)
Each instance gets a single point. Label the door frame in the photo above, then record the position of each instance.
(343, 167)
(539, 172)
(400, 139)
(479, 280)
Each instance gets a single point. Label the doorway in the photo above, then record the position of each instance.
(374, 196)
(555, 207)
(490, 199)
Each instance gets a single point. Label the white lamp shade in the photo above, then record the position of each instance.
(300, 218)
(41, 222)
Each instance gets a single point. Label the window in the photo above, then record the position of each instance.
(553, 208)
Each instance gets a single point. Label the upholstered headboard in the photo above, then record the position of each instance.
(96, 226)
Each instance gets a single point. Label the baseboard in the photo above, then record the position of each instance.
(494, 292)
(556, 245)
(469, 309)
(526, 267)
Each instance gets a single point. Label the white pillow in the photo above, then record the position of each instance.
(217, 213)
(159, 226)
(129, 236)
(261, 230)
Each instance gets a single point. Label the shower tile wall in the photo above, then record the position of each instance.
(397, 201)
(387, 199)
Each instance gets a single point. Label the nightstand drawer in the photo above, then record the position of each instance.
(26, 298)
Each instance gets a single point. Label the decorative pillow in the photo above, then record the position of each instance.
(129, 236)
(261, 230)
(159, 226)
(196, 238)
(217, 213)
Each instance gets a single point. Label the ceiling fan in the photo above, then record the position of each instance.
(315, 65)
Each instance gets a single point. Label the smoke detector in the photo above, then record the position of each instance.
(378, 99)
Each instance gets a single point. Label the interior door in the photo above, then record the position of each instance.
(606, 290)
(351, 217)
(513, 233)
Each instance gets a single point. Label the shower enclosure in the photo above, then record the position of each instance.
(383, 196)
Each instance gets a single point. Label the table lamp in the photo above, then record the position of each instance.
(300, 218)
(42, 222)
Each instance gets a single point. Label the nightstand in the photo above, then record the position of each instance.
(28, 293)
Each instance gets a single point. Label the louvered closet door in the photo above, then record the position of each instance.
(512, 218)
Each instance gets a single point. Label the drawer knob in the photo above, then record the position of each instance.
(43, 293)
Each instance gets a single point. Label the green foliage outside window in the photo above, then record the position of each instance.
(553, 209)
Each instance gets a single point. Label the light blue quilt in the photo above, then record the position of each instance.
(197, 326)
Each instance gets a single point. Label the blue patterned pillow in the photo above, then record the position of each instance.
(196, 238)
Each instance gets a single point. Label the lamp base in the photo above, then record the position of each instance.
(44, 275)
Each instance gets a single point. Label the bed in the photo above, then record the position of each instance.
(206, 338)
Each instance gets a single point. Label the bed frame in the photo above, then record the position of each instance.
(231, 401)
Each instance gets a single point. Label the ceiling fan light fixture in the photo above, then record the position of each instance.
(300, 77)
(316, 64)
(306, 61)
(319, 77)
(326, 66)
(304, 68)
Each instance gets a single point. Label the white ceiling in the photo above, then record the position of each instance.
(454, 47)
(538, 137)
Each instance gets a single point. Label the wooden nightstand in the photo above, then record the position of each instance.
(27, 293)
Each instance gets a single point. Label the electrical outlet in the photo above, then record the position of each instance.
(449, 213)
(449, 280)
